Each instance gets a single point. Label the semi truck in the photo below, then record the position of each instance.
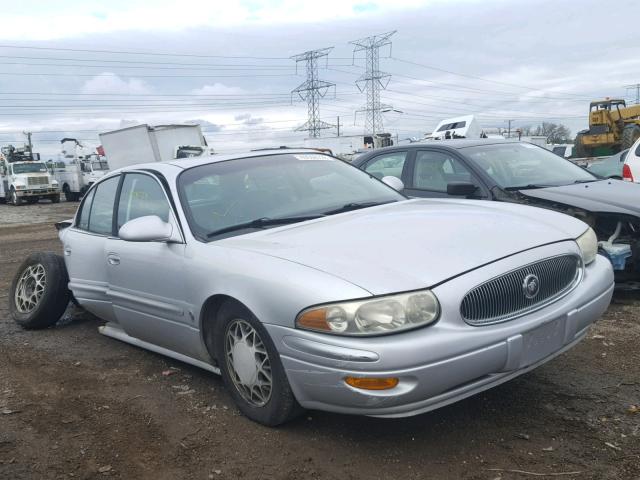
(24, 178)
(77, 168)
(145, 143)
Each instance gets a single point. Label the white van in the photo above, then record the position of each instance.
(631, 167)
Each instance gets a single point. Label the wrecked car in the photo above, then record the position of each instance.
(519, 172)
(307, 283)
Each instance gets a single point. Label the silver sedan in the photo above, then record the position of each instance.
(307, 283)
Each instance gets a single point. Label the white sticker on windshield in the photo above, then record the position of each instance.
(312, 156)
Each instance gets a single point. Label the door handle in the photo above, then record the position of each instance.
(113, 259)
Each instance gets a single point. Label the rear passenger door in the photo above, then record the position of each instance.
(84, 246)
(430, 171)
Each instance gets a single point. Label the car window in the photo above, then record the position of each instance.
(387, 165)
(85, 209)
(101, 216)
(141, 195)
(434, 170)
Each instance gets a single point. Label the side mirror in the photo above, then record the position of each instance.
(150, 228)
(461, 189)
(393, 182)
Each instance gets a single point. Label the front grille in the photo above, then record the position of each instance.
(37, 180)
(503, 298)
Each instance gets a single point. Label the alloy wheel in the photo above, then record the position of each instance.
(30, 288)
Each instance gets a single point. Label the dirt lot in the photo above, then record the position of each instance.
(75, 404)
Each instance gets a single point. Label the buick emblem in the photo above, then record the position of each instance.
(531, 286)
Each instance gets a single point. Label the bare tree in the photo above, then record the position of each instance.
(555, 132)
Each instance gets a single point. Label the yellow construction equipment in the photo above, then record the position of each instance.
(612, 127)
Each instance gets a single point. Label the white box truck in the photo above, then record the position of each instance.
(23, 178)
(145, 143)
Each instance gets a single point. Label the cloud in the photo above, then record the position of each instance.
(248, 119)
(218, 89)
(111, 83)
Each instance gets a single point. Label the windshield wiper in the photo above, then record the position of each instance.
(529, 187)
(356, 206)
(262, 223)
(587, 181)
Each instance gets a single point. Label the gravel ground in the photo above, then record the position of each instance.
(75, 404)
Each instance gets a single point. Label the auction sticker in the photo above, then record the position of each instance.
(312, 156)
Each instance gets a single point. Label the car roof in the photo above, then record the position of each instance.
(455, 144)
(184, 163)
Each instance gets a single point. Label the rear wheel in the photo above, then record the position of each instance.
(251, 367)
(39, 292)
(630, 134)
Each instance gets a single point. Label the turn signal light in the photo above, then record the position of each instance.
(314, 319)
(367, 383)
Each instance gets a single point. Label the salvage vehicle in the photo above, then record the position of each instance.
(519, 172)
(309, 284)
(614, 166)
(24, 179)
(632, 163)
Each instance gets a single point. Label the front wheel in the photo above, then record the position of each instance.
(55, 198)
(39, 292)
(251, 367)
(15, 199)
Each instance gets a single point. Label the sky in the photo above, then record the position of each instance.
(77, 68)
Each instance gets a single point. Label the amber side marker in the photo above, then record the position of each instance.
(368, 383)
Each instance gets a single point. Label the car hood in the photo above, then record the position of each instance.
(604, 196)
(411, 244)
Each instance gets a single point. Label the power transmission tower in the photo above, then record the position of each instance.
(637, 89)
(373, 79)
(312, 90)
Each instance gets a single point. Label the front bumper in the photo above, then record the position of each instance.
(445, 362)
(37, 193)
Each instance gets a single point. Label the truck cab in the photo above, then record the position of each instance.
(26, 181)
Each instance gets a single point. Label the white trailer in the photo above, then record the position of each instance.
(144, 143)
(347, 145)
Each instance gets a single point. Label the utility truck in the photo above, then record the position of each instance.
(77, 168)
(145, 143)
(23, 178)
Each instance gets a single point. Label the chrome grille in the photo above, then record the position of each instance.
(37, 180)
(503, 298)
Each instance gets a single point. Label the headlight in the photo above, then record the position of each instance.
(54, 182)
(375, 316)
(588, 243)
(20, 186)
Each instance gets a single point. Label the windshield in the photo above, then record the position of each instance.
(31, 167)
(99, 165)
(513, 165)
(220, 195)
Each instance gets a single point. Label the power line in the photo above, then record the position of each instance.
(126, 52)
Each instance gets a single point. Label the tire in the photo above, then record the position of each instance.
(67, 193)
(55, 198)
(630, 134)
(279, 404)
(15, 199)
(44, 273)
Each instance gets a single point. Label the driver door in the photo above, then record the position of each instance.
(147, 279)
